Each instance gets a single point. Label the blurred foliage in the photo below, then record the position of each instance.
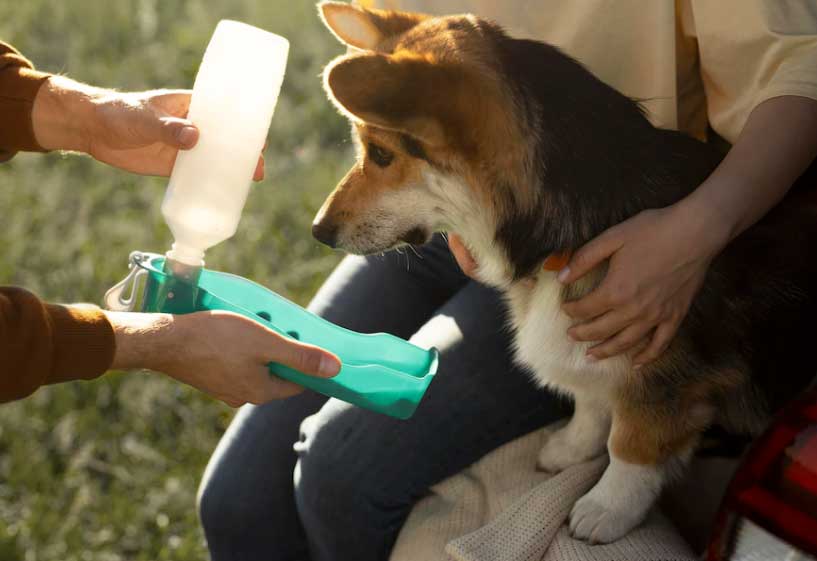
(108, 470)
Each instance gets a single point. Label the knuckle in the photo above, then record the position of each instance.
(619, 346)
(591, 335)
(581, 261)
(578, 332)
(650, 355)
(308, 361)
(662, 344)
(605, 351)
(631, 338)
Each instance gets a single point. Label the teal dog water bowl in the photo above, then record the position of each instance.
(379, 372)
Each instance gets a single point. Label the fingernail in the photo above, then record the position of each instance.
(591, 358)
(637, 366)
(328, 367)
(562, 276)
(186, 136)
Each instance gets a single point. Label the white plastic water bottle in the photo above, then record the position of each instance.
(234, 96)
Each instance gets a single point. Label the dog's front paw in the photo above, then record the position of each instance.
(564, 448)
(595, 522)
(617, 503)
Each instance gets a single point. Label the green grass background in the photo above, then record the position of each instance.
(108, 470)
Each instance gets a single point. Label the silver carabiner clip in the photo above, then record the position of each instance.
(116, 299)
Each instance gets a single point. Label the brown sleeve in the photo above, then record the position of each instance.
(19, 83)
(45, 343)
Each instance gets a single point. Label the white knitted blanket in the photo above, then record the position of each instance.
(502, 509)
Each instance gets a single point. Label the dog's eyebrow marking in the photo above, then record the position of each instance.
(413, 147)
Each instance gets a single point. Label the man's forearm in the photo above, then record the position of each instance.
(62, 112)
(143, 341)
(777, 144)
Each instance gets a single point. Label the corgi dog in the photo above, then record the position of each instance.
(526, 154)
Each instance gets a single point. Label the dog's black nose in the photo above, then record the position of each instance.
(325, 233)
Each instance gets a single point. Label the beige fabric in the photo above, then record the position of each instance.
(685, 59)
(503, 509)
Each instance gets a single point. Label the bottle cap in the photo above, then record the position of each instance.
(186, 254)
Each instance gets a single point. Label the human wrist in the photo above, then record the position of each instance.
(705, 219)
(63, 114)
(144, 341)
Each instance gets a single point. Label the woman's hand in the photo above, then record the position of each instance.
(138, 132)
(658, 260)
(220, 353)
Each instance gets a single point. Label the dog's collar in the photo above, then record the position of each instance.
(557, 261)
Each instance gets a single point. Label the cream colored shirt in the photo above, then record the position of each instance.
(690, 62)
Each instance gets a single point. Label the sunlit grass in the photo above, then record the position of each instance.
(108, 470)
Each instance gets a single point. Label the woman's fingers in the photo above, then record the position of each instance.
(591, 306)
(658, 344)
(590, 255)
(621, 342)
(587, 258)
(602, 327)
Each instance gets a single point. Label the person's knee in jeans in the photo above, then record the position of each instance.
(343, 497)
(245, 500)
(227, 518)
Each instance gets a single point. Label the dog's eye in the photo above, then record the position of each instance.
(380, 156)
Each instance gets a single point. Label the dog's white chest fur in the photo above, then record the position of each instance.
(542, 343)
(541, 340)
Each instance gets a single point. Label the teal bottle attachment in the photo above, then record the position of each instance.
(379, 372)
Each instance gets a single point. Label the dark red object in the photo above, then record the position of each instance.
(776, 484)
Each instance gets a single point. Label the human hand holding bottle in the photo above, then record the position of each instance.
(140, 132)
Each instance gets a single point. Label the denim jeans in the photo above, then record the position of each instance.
(315, 479)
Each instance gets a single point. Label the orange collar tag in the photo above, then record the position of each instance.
(556, 261)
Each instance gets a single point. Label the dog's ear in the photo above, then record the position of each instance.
(406, 93)
(364, 28)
